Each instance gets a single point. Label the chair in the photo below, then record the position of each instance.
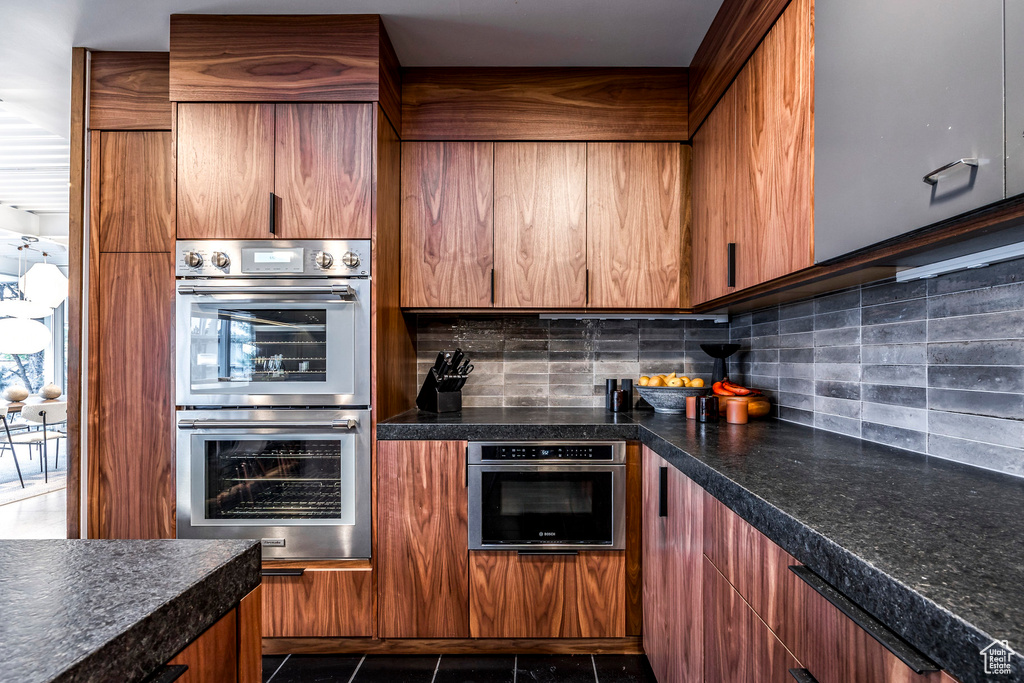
(10, 442)
(46, 415)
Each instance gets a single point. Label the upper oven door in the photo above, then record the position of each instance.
(531, 507)
(273, 342)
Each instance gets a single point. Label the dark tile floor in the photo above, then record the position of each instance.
(457, 669)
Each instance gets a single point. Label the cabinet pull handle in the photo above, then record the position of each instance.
(273, 214)
(587, 286)
(730, 275)
(933, 177)
(531, 553)
(297, 571)
(663, 492)
(876, 629)
(802, 676)
(492, 286)
(167, 673)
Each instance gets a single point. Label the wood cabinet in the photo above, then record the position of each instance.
(131, 431)
(316, 160)
(447, 224)
(423, 539)
(136, 172)
(321, 602)
(672, 554)
(547, 596)
(540, 225)
(633, 224)
(228, 651)
(599, 225)
(323, 170)
(714, 201)
(225, 170)
(738, 646)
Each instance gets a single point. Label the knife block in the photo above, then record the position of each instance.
(433, 400)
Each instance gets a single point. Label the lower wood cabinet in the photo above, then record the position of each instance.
(228, 651)
(423, 539)
(738, 646)
(672, 554)
(322, 602)
(547, 596)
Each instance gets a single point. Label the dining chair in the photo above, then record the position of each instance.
(10, 442)
(46, 415)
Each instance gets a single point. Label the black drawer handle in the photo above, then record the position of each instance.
(802, 676)
(663, 492)
(876, 629)
(298, 571)
(167, 673)
(273, 214)
(530, 553)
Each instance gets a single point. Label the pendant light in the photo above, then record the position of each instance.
(45, 284)
(20, 307)
(23, 336)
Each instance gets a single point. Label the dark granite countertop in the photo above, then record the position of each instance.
(932, 548)
(92, 610)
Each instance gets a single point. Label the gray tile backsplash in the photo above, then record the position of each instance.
(526, 361)
(934, 366)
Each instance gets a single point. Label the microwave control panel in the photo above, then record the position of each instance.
(526, 452)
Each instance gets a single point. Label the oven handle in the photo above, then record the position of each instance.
(344, 423)
(339, 290)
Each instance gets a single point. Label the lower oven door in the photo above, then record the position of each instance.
(547, 507)
(299, 480)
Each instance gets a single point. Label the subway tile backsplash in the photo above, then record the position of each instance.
(934, 366)
(526, 361)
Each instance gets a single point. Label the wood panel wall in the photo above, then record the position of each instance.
(136, 191)
(129, 91)
(544, 104)
(735, 33)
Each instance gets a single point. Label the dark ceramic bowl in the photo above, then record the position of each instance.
(670, 399)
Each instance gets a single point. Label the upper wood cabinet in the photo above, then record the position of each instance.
(447, 224)
(136, 191)
(575, 225)
(714, 201)
(540, 225)
(323, 170)
(315, 159)
(423, 539)
(633, 224)
(225, 170)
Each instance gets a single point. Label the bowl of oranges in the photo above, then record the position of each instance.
(667, 393)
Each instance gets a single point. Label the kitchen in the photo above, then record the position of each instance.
(699, 366)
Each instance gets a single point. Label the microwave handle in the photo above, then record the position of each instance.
(339, 290)
(344, 423)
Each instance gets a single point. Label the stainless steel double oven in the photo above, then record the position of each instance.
(273, 395)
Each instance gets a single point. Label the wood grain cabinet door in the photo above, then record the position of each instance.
(321, 603)
(738, 647)
(225, 170)
(323, 170)
(714, 173)
(540, 225)
(633, 224)
(447, 224)
(423, 539)
(213, 656)
(673, 552)
(136, 191)
(774, 222)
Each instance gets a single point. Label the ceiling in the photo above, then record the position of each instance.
(36, 37)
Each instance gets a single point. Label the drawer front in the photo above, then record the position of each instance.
(324, 603)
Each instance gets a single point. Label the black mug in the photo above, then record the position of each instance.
(707, 409)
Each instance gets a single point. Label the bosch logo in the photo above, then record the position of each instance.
(546, 534)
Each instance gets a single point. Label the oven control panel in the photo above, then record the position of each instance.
(565, 451)
(270, 258)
